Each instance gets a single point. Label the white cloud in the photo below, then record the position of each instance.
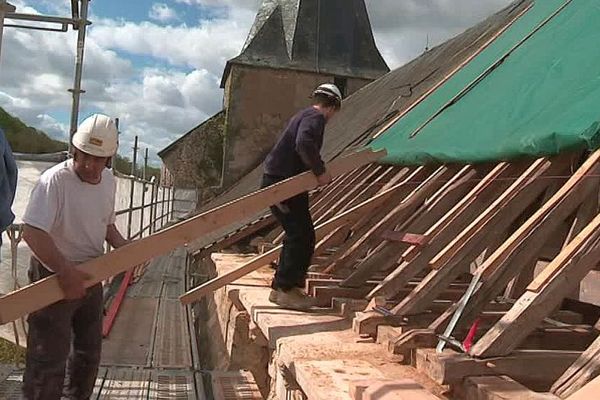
(177, 84)
(162, 13)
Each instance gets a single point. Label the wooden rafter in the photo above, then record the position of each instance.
(544, 294)
(398, 214)
(444, 230)
(526, 242)
(486, 231)
(429, 213)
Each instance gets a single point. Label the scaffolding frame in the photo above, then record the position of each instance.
(79, 22)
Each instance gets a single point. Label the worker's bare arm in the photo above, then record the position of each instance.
(114, 237)
(41, 244)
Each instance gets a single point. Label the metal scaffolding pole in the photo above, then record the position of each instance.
(4, 9)
(79, 22)
(76, 91)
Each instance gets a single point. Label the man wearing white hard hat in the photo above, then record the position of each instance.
(298, 150)
(69, 217)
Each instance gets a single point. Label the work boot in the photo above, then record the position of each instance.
(294, 299)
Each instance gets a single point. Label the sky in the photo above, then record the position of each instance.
(157, 65)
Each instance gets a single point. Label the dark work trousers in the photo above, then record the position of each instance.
(63, 346)
(299, 240)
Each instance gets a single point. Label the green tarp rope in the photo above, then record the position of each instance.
(541, 99)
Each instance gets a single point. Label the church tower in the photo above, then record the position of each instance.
(293, 46)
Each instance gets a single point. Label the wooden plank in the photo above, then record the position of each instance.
(333, 239)
(372, 188)
(526, 242)
(264, 259)
(502, 170)
(536, 170)
(500, 388)
(233, 238)
(47, 291)
(335, 194)
(443, 231)
(450, 368)
(588, 392)
(561, 199)
(580, 372)
(402, 211)
(406, 180)
(486, 231)
(413, 239)
(585, 217)
(348, 192)
(565, 272)
(384, 257)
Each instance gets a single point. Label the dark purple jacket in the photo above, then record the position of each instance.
(299, 146)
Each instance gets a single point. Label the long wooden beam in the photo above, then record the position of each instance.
(525, 243)
(423, 218)
(493, 222)
(321, 231)
(47, 291)
(556, 281)
(444, 230)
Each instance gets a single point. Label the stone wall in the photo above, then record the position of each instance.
(196, 160)
(259, 102)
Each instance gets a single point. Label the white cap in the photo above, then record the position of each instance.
(330, 90)
(98, 136)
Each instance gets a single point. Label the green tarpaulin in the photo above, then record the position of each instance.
(542, 100)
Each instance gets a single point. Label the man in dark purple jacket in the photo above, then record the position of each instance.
(297, 151)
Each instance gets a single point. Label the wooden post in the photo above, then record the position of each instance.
(132, 190)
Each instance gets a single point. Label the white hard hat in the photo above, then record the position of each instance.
(98, 136)
(329, 90)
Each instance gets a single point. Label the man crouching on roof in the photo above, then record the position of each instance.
(298, 150)
(69, 216)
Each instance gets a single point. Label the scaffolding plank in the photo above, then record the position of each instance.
(172, 343)
(176, 385)
(129, 342)
(125, 384)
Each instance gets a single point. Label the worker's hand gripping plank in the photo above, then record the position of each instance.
(47, 291)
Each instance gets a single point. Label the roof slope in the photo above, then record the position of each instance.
(368, 110)
(533, 92)
(332, 37)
